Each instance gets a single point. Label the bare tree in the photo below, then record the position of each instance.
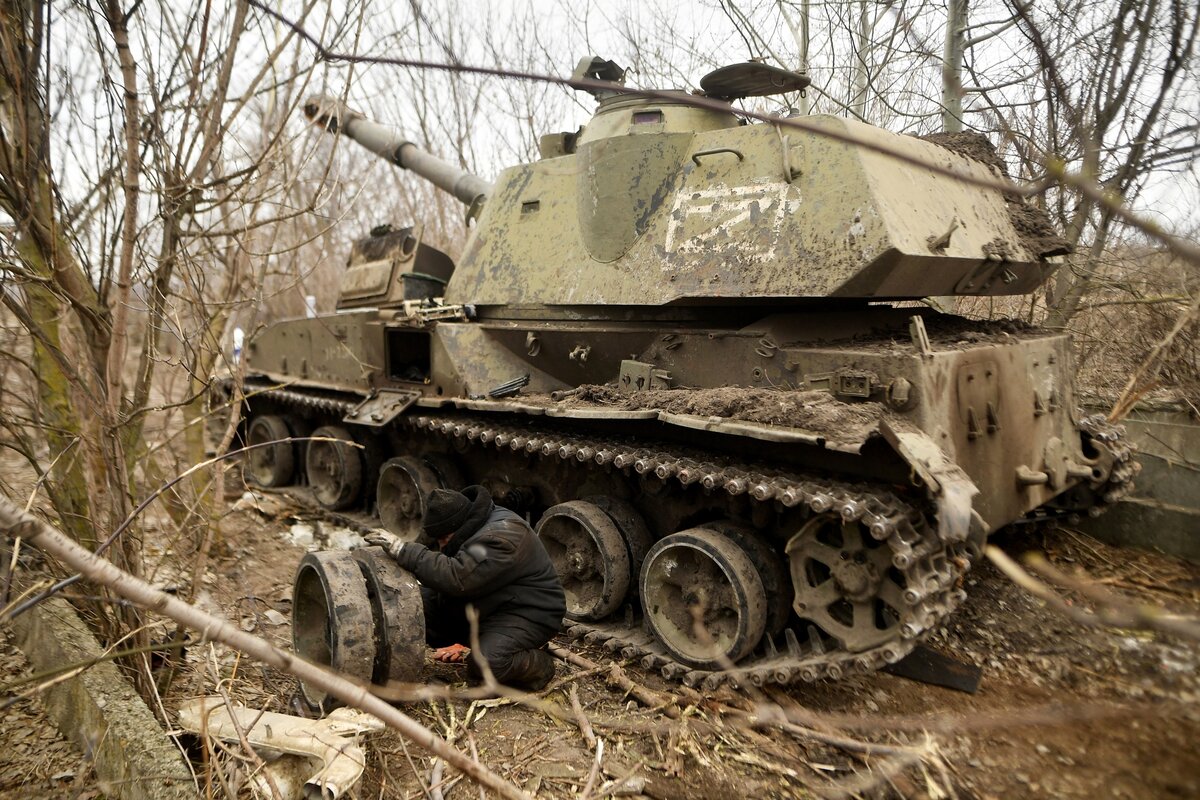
(140, 211)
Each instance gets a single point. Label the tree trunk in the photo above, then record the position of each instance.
(862, 53)
(952, 66)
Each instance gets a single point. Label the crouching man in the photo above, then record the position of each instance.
(490, 558)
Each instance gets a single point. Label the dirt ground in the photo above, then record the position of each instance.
(1063, 711)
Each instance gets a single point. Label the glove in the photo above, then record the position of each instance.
(455, 653)
(390, 542)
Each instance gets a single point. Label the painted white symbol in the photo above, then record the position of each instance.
(724, 208)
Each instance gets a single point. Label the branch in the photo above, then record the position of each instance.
(118, 344)
(1055, 167)
(1174, 299)
(1112, 611)
(767, 716)
(581, 720)
(695, 101)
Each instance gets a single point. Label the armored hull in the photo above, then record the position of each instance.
(679, 343)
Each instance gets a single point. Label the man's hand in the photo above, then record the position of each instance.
(390, 542)
(455, 653)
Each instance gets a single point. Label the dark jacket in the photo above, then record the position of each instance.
(501, 568)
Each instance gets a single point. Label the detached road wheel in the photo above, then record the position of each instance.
(334, 467)
(332, 620)
(703, 598)
(590, 557)
(399, 617)
(270, 465)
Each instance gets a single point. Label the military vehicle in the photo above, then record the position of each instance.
(690, 347)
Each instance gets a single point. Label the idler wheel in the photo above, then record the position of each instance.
(770, 566)
(399, 617)
(332, 620)
(845, 582)
(334, 467)
(270, 465)
(632, 526)
(589, 555)
(703, 598)
(404, 484)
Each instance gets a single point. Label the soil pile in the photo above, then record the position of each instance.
(1032, 225)
(811, 410)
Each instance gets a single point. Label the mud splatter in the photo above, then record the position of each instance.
(999, 248)
(1035, 229)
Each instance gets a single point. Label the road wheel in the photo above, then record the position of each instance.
(334, 465)
(404, 486)
(270, 464)
(590, 557)
(703, 598)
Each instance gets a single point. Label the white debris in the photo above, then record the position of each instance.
(249, 501)
(303, 535)
(332, 741)
(262, 504)
(341, 538)
(1170, 664)
(630, 787)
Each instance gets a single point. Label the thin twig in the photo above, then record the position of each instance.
(416, 772)
(585, 726)
(594, 773)
(251, 753)
(861, 783)
(1056, 170)
(475, 756)
(767, 715)
(1111, 611)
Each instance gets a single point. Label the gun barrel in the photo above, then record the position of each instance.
(387, 143)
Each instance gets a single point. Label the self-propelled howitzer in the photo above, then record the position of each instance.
(677, 342)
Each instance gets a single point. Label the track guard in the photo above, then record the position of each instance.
(946, 482)
(381, 408)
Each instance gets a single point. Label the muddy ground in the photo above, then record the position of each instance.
(1063, 711)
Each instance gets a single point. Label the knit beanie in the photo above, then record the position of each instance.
(445, 512)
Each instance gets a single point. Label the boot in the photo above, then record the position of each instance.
(531, 670)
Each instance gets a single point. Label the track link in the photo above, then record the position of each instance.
(1119, 482)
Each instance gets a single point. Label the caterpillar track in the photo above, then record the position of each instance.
(1124, 468)
(1120, 469)
(929, 569)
